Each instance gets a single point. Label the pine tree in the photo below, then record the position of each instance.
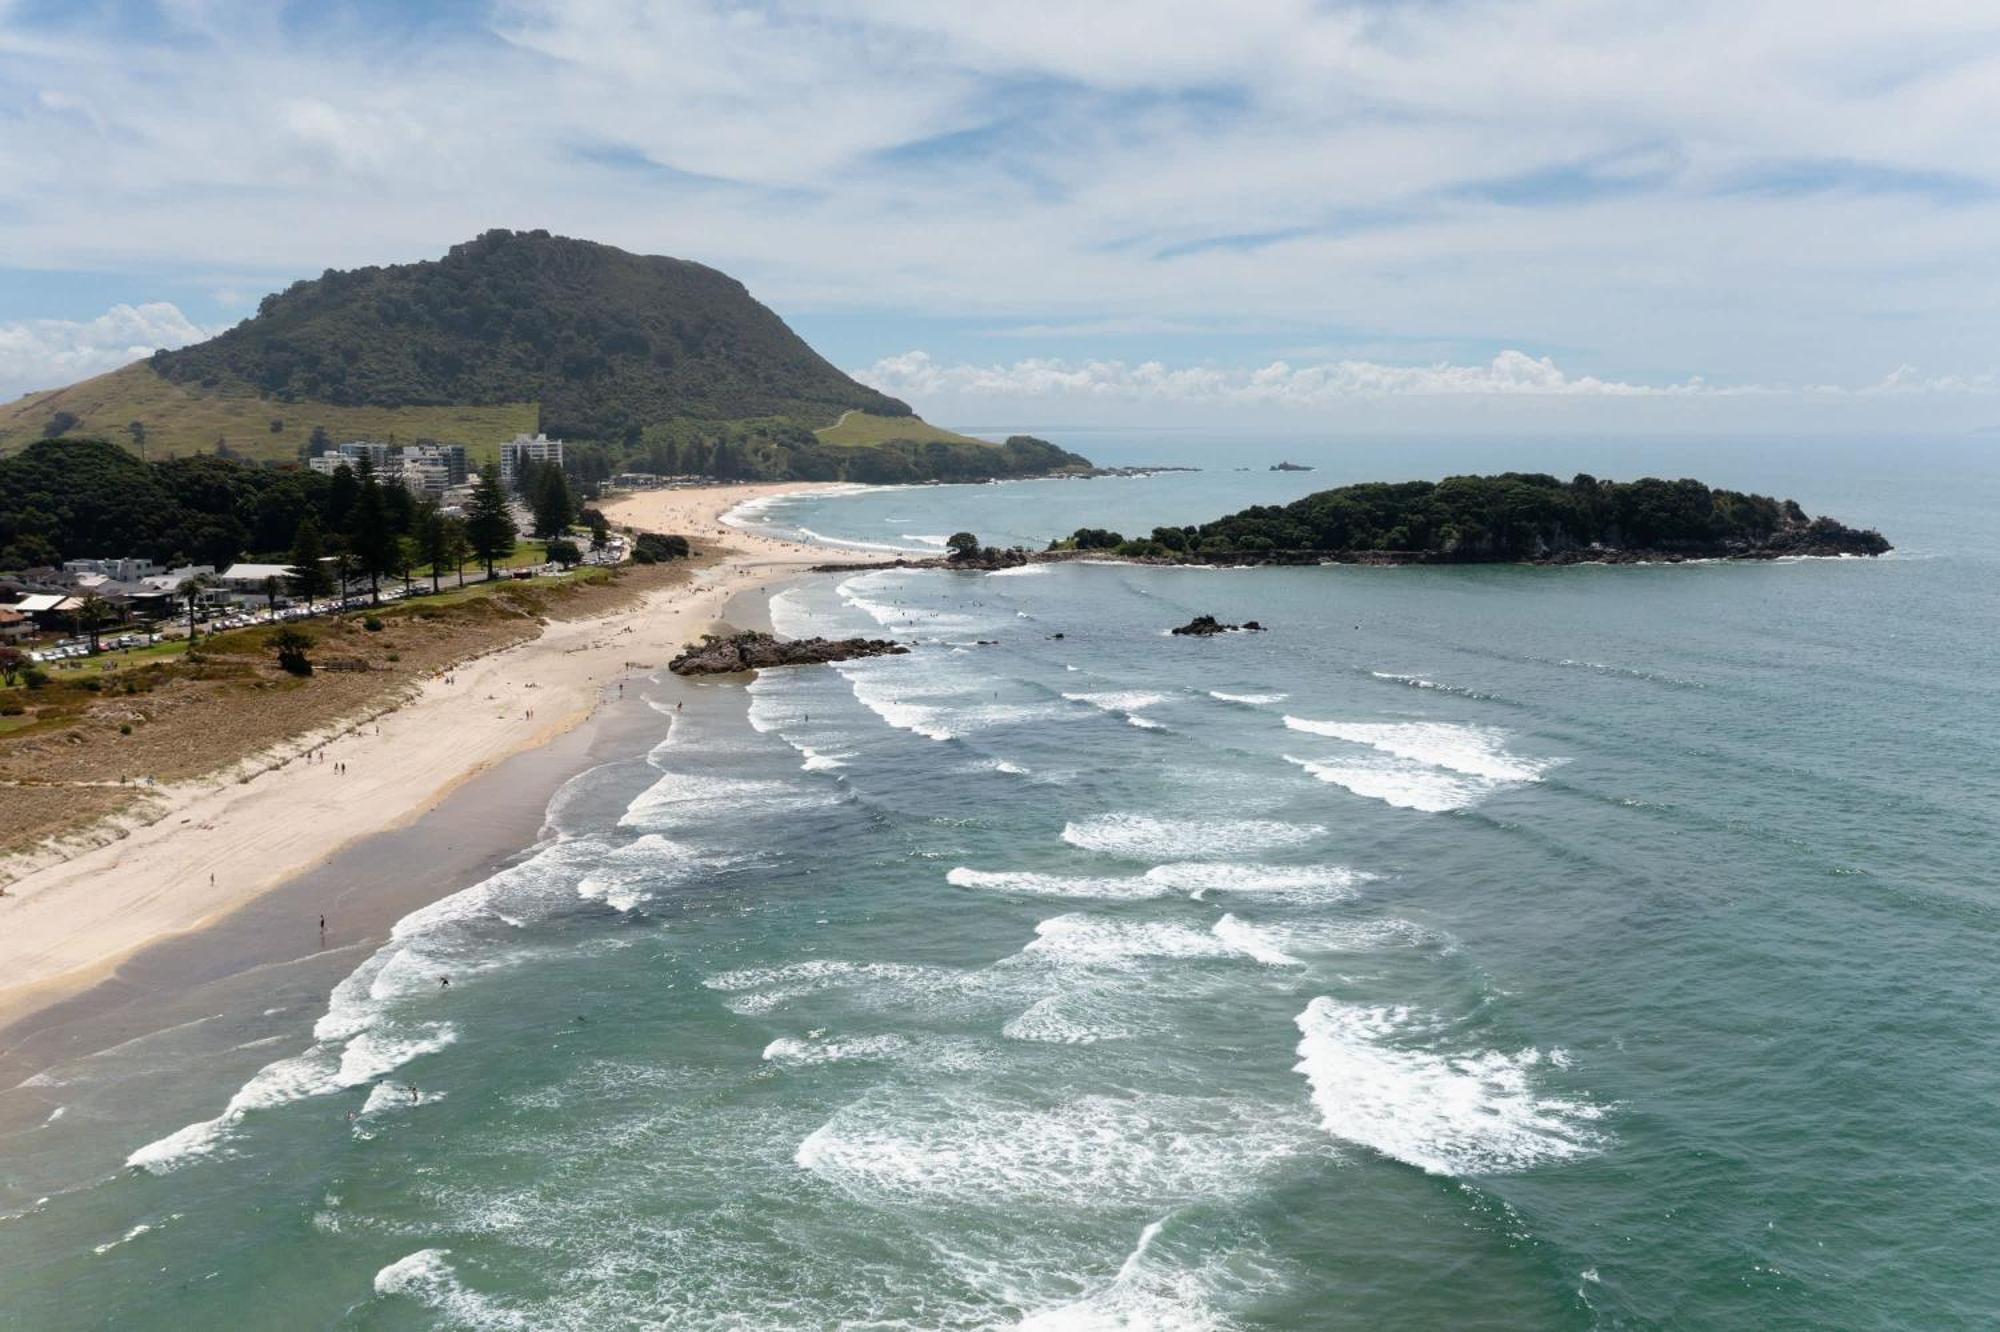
(554, 506)
(369, 534)
(308, 577)
(432, 546)
(488, 524)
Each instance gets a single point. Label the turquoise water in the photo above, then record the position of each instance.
(1491, 947)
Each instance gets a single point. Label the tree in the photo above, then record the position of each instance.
(409, 554)
(564, 552)
(369, 534)
(341, 494)
(291, 645)
(600, 530)
(457, 546)
(61, 424)
(432, 547)
(319, 443)
(489, 526)
(92, 614)
(137, 430)
(308, 575)
(190, 590)
(12, 662)
(271, 586)
(345, 569)
(962, 545)
(551, 501)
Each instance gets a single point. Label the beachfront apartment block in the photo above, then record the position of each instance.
(424, 469)
(521, 450)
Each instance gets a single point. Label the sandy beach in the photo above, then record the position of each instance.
(220, 843)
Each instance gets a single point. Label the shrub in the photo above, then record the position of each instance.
(564, 553)
(291, 646)
(124, 728)
(373, 624)
(34, 677)
(11, 709)
(654, 547)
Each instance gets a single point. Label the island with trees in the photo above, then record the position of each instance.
(1514, 517)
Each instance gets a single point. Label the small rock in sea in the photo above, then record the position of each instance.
(1055, 635)
(1201, 626)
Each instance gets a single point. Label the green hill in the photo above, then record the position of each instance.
(604, 341)
(659, 360)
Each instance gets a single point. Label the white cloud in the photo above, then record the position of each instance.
(917, 375)
(48, 353)
(1778, 192)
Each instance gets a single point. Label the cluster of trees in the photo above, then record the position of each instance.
(385, 533)
(605, 341)
(785, 450)
(1515, 515)
(67, 499)
(75, 498)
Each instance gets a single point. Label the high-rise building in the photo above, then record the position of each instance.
(522, 450)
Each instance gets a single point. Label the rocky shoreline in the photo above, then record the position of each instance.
(755, 650)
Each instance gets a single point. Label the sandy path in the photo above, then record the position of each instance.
(219, 844)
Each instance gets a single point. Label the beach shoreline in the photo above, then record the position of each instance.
(218, 844)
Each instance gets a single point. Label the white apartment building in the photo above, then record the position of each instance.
(521, 449)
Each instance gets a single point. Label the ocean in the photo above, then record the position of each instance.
(1479, 947)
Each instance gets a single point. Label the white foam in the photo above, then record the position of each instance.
(425, 1276)
(326, 1067)
(1119, 700)
(1143, 1297)
(1285, 883)
(689, 797)
(126, 1238)
(947, 1147)
(1064, 1019)
(1056, 885)
(1250, 700)
(755, 991)
(1447, 1114)
(1260, 945)
(1148, 836)
(1419, 682)
(806, 1052)
(1404, 785)
(1476, 751)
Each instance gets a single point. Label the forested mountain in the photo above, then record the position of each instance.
(605, 341)
(1509, 517)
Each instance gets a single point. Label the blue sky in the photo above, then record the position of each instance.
(1435, 214)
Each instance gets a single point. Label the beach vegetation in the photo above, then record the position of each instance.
(962, 545)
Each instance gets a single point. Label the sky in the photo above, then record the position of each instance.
(1367, 215)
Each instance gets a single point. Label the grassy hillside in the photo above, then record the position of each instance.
(606, 342)
(181, 420)
(858, 428)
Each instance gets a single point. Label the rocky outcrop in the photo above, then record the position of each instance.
(752, 651)
(1201, 626)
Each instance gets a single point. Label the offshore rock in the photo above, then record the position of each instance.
(754, 650)
(1201, 626)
